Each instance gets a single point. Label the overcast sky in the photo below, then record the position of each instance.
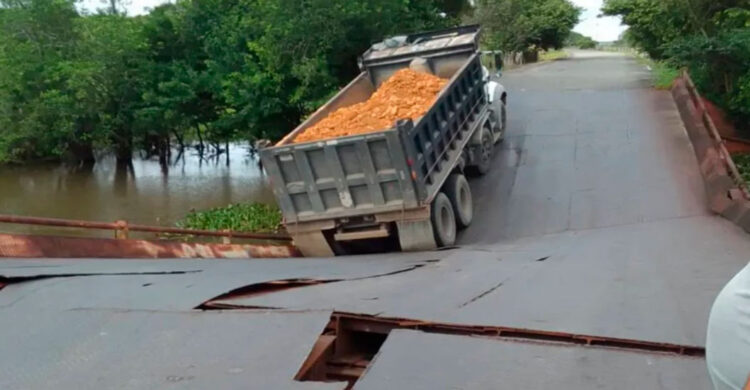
(601, 29)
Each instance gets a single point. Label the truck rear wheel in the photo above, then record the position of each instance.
(457, 189)
(443, 220)
(484, 150)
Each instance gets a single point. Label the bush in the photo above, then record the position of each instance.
(580, 41)
(242, 217)
(743, 165)
(663, 75)
(739, 99)
(709, 37)
(552, 55)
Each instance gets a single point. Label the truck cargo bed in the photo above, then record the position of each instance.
(376, 184)
(390, 170)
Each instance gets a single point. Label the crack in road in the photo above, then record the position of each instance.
(273, 286)
(482, 295)
(5, 281)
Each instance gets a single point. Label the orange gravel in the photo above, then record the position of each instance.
(406, 94)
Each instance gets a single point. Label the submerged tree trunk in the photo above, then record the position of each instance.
(81, 150)
(162, 149)
(82, 154)
(179, 139)
(124, 174)
(124, 152)
(201, 146)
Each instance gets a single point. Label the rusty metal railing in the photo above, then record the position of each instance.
(714, 132)
(122, 228)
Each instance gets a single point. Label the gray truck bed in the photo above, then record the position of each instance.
(395, 169)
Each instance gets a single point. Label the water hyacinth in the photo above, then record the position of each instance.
(240, 217)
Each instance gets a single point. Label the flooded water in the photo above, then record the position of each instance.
(147, 194)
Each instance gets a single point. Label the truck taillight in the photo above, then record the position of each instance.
(414, 175)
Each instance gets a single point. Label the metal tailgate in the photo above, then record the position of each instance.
(348, 176)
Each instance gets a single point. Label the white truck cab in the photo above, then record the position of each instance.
(498, 98)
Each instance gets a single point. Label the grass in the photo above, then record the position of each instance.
(743, 165)
(241, 217)
(552, 55)
(662, 74)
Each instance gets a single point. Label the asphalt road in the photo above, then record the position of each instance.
(593, 223)
(589, 146)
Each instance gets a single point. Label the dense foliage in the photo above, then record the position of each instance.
(521, 25)
(710, 37)
(205, 71)
(580, 41)
(244, 217)
(743, 165)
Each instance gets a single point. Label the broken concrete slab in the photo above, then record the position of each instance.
(650, 281)
(180, 291)
(103, 349)
(49, 267)
(416, 360)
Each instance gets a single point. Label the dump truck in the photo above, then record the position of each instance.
(406, 183)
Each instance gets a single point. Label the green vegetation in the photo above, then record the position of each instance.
(663, 73)
(743, 165)
(580, 41)
(74, 84)
(552, 55)
(244, 217)
(525, 25)
(709, 37)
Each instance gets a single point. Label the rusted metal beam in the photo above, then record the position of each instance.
(339, 355)
(313, 368)
(32, 246)
(124, 227)
(368, 323)
(714, 132)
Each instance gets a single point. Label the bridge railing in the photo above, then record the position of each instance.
(714, 133)
(122, 228)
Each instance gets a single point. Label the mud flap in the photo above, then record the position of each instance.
(416, 235)
(313, 244)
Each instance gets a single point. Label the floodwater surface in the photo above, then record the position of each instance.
(145, 194)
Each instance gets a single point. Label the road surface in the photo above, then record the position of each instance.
(592, 230)
(589, 146)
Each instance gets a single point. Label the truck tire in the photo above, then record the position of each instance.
(484, 150)
(443, 220)
(500, 133)
(457, 189)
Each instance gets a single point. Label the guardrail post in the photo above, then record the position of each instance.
(121, 230)
(228, 238)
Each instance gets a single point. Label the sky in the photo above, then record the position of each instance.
(603, 29)
(600, 29)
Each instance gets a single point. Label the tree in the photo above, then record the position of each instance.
(37, 38)
(520, 25)
(580, 41)
(208, 70)
(710, 37)
(651, 23)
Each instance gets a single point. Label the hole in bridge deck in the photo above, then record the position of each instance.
(340, 354)
(350, 342)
